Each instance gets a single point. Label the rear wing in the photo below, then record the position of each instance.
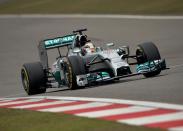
(57, 42)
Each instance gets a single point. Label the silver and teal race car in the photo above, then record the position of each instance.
(85, 64)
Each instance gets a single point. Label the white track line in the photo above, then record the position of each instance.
(19, 102)
(107, 16)
(176, 128)
(110, 100)
(154, 119)
(125, 110)
(41, 104)
(3, 101)
(74, 107)
(119, 101)
(134, 107)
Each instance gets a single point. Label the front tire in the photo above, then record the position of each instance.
(33, 78)
(76, 67)
(147, 52)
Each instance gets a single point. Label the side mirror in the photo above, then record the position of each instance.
(110, 44)
(124, 50)
(76, 50)
(99, 49)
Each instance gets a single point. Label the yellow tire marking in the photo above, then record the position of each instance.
(26, 76)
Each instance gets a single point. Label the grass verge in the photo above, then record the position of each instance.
(23, 120)
(162, 7)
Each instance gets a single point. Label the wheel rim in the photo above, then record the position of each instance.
(25, 79)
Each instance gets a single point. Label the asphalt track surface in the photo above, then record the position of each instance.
(18, 44)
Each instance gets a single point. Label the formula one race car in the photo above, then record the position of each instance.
(84, 64)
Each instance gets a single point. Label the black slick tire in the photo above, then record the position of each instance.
(148, 52)
(33, 78)
(76, 67)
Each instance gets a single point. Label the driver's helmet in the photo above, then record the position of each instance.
(89, 47)
(81, 40)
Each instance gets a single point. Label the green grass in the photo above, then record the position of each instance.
(22, 120)
(162, 7)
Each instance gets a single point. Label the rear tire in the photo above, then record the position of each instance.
(33, 78)
(148, 52)
(75, 67)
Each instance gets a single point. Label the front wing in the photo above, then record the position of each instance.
(99, 77)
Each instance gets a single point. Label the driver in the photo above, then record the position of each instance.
(85, 45)
(88, 48)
